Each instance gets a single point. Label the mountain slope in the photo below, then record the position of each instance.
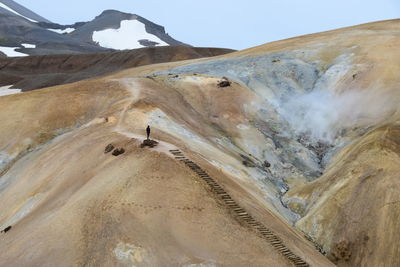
(142, 207)
(28, 73)
(118, 30)
(11, 7)
(23, 32)
(23, 36)
(301, 133)
(330, 106)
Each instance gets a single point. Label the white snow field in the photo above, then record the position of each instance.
(29, 45)
(67, 30)
(126, 37)
(10, 52)
(5, 90)
(15, 12)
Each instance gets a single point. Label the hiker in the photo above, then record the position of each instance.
(148, 132)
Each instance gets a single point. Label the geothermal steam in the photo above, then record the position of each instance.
(321, 115)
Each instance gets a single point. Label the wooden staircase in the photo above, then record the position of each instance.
(243, 215)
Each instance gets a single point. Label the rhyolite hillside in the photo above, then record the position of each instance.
(290, 156)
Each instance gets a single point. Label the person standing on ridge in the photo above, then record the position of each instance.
(148, 132)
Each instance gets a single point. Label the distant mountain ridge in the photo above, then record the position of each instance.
(8, 5)
(111, 19)
(23, 32)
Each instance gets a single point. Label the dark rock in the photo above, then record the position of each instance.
(276, 60)
(248, 162)
(146, 42)
(111, 19)
(5, 230)
(267, 164)
(317, 246)
(149, 143)
(224, 82)
(319, 148)
(118, 151)
(341, 251)
(17, 30)
(108, 148)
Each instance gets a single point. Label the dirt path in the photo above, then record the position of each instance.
(172, 151)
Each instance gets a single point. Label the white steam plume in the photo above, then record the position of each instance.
(322, 114)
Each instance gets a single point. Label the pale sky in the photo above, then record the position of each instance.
(233, 24)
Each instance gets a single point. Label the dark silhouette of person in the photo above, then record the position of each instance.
(148, 132)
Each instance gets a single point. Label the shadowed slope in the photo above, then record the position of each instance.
(35, 72)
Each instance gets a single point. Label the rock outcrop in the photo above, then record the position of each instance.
(148, 143)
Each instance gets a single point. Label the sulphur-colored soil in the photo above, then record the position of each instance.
(71, 204)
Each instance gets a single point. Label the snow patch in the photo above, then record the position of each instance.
(5, 90)
(29, 45)
(242, 127)
(130, 253)
(10, 52)
(15, 12)
(126, 37)
(67, 30)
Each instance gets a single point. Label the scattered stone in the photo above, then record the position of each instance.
(108, 148)
(247, 161)
(5, 230)
(319, 148)
(224, 82)
(145, 42)
(275, 60)
(111, 119)
(341, 251)
(317, 246)
(118, 151)
(248, 164)
(354, 75)
(149, 143)
(267, 164)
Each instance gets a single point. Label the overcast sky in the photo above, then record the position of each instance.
(234, 24)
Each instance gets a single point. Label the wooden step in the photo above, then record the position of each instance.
(275, 241)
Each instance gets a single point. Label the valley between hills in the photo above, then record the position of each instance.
(284, 154)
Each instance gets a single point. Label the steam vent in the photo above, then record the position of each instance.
(284, 154)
